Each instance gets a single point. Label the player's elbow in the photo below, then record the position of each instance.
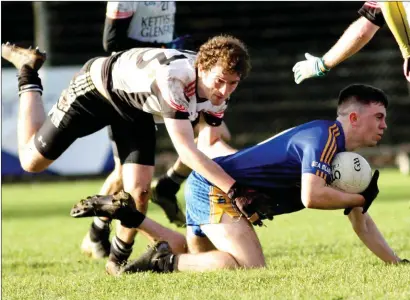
(310, 198)
(366, 29)
(308, 201)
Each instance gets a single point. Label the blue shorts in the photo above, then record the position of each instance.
(205, 204)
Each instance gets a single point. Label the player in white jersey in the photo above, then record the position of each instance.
(130, 91)
(130, 24)
(140, 24)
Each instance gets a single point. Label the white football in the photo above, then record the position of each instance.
(351, 172)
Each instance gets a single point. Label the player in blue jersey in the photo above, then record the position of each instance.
(291, 171)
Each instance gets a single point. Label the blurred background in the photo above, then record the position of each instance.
(268, 101)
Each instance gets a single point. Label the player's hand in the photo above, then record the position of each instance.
(245, 198)
(311, 67)
(369, 194)
(406, 68)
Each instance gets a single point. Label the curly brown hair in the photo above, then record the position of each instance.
(226, 50)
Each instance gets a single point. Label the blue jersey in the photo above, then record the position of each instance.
(279, 161)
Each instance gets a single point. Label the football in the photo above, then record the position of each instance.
(351, 172)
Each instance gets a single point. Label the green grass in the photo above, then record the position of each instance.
(310, 254)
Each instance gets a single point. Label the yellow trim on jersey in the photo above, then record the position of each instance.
(396, 18)
(329, 149)
(321, 174)
(331, 141)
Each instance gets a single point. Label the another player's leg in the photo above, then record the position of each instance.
(137, 180)
(31, 110)
(165, 190)
(136, 143)
(96, 242)
(122, 206)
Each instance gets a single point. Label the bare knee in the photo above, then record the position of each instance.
(240, 262)
(32, 165)
(224, 260)
(141, 197)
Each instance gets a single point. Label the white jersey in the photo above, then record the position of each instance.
(152, 21)
(161, 82)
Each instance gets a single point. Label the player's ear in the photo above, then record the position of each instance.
(353, 118)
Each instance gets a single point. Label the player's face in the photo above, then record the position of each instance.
(217, 85)
(371, 124)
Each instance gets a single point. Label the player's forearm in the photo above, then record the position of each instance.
(368, 233)
(353, 39)
(324, 197)
(200, 163)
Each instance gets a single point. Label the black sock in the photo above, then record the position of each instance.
(175, 176)
(120, 250)
(28, 80)
(100, 230)
(170, 182)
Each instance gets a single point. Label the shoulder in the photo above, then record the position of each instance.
(317, 133)
(179, 66)
(120, 9)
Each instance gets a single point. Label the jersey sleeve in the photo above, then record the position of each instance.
(317, 158)
(371, 11)
(120, 10)
(174, 104)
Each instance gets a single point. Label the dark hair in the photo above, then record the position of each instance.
(227, 50)
(363, 94)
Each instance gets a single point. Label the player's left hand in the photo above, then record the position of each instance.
(369, 194)
(406, 68)
(311, 67)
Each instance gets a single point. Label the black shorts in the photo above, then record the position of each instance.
(82, 110)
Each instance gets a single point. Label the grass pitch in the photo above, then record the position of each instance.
(310, 254)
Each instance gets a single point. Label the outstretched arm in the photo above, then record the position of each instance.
(182, 136)
(357, 35)
(368, 233)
